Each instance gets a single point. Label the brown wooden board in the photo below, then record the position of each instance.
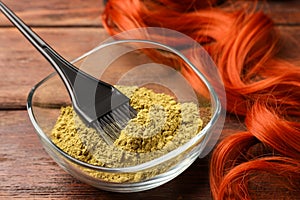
(28, 172)
(73, 27)
(56, 12)
(88, 12)
(22, 66)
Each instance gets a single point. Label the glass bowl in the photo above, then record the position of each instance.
(185, 73)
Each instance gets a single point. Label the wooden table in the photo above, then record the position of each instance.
(72, 28)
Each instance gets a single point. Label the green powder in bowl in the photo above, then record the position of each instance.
(161, 125)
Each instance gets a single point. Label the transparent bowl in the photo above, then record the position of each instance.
(154, 64)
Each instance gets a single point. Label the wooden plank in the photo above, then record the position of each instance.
(88, 12)
(285, 12)
(22, 66)
(56, 12)
(26, 170)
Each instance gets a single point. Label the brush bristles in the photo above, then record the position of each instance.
(110, 125)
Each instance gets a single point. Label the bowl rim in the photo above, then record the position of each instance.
(149, 164)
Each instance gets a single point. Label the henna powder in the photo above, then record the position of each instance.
(161, 125)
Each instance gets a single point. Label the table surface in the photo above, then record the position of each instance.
(72, 28)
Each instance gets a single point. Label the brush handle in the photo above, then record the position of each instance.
(85, 90)
(57, 61)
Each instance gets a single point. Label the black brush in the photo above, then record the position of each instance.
(99, 104)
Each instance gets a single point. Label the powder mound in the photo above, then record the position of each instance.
(161, 126)
(65, 136)
(159, 119)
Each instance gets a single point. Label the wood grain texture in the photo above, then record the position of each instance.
(283, 12)
(73, 27)
(22, 66)
(28, 172)
(56, 12)
(88, 12)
